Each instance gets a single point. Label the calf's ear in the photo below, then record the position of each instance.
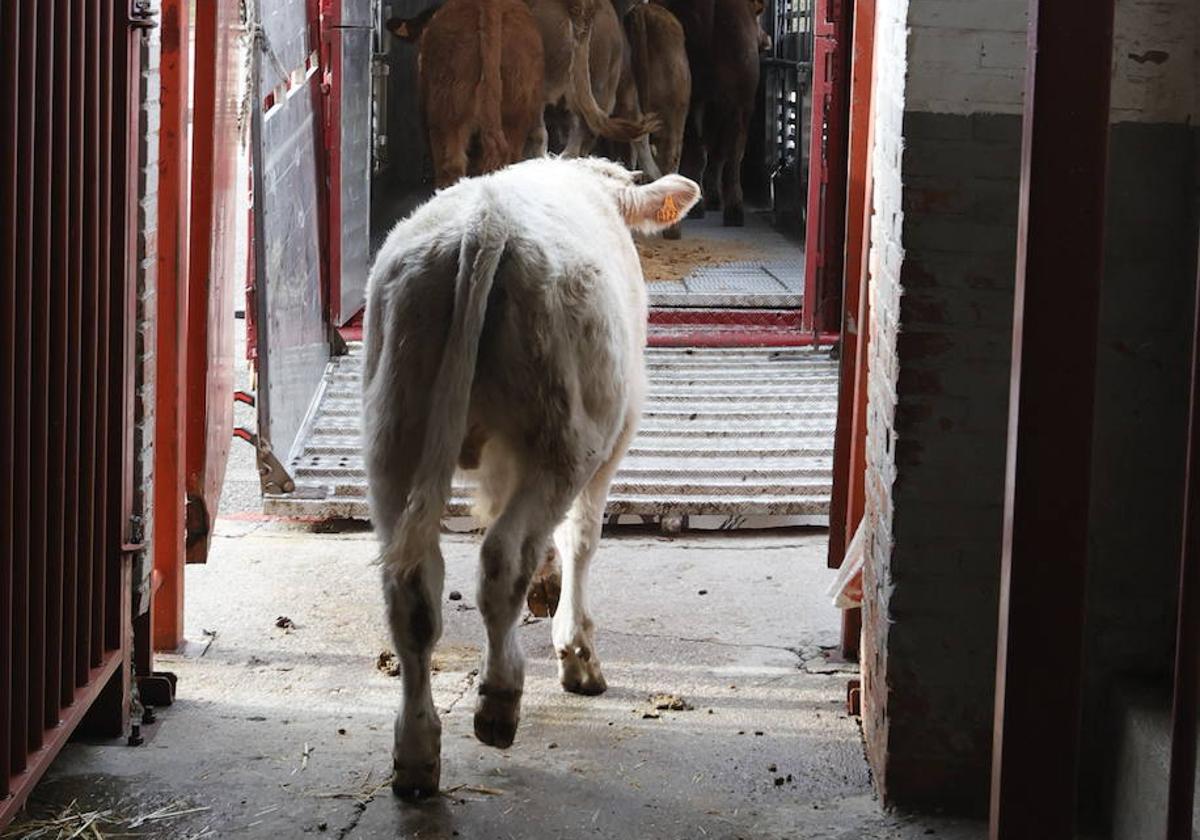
(658, 205)
(403, 28)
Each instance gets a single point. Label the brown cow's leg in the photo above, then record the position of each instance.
(694, 159)
(731, 175)
(448, 147)
(670, 147)
(714, 128)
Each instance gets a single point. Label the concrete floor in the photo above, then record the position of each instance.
(767, 752)
(283, 732)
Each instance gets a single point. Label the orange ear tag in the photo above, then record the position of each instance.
(668, 211)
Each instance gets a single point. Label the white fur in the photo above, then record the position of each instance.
(513, 303)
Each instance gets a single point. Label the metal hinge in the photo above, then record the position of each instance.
(142, 14)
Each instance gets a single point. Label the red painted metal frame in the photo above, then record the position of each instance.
(1181, 789)
(67, 321)
(730, 328)
(1051, 406)
(170, 405)
(214, 276)
(331, 86)
(825, 233)
(848, 501)
(854, 288)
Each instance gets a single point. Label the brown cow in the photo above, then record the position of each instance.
(612, 88)
(481, 94)
(568, 29)
(723, 42)
(663, 83)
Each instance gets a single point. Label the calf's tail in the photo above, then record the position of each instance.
(580, 97)
(415, 539)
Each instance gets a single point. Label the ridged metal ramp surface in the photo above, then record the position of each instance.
(729, 438)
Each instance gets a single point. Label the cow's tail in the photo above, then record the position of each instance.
(415, 539)
(582, 100)
(489, 92)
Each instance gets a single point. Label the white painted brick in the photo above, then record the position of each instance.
(1156, 61)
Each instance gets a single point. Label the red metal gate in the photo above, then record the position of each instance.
(67, 125)
(826, 223)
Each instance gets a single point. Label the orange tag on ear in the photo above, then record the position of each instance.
(668, 211)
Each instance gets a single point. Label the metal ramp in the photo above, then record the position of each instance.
(730, 438)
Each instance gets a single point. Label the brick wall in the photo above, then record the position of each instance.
(948, 135)
(147, 221)
(1142, 370)
(944, 245)
(885, 260)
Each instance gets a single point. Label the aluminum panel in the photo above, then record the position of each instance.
(725, 433)
(292, 338)
(355, 181)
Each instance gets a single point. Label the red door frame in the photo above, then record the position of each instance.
(849, 459)
(329, 19)
(1043, 563)
(825, 226)
(170, 384)
(213, 274)
(1181, 789)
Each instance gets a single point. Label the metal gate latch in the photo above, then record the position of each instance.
(142, 15)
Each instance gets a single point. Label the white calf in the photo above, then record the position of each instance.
(504, 333)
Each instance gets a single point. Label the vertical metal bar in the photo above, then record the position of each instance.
(20, 406)
(825, 232)
(1181, 791)
(89, 452)
(857, 226)
(38, 360)
(75, 404)
(102, 556)
(1044, 556)
(9, 79)
(171, 326)
(59, 523)
(113, 263)
(125, 86)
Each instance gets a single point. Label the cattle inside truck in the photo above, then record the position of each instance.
(739, 424)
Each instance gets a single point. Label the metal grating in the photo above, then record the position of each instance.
(773, 278)
(727, 433)
(66, 377)
(775, 284)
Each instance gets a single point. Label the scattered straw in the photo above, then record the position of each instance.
(71, 823)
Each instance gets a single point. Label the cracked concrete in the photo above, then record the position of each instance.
(766, 752)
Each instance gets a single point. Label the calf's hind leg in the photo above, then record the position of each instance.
(413, 608)
(576, 539)
(512, 550)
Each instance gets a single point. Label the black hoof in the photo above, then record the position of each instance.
(416, 782)
(673, 232)
(734, 217)
(496, 717)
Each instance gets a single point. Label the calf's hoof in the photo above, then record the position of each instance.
(496, 716)
(546, 588)
(579, 671)
(673, 232)
(734, 217)
(415, 777)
